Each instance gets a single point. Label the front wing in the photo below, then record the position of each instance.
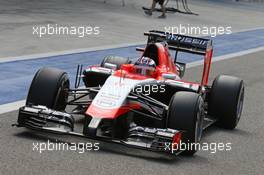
(43, 119)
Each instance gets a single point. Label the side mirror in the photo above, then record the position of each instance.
(181, 68)
(169, 76)
(110, 66)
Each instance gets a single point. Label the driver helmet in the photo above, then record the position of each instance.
(146, 61)
(145, 66)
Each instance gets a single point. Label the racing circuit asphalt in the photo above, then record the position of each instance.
(246, 156)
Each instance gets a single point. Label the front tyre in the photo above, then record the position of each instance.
(186, 112)
(49, 88)
(226, 100)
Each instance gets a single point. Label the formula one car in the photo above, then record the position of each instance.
(143, 104)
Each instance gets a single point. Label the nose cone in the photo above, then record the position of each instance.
(111, 100)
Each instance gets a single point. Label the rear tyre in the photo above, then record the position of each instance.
(186, 113)
(226, 100)
(118, 61)
(49, 88)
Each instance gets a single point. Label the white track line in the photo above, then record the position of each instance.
(11, 106)
(66, 52)
(225, 57)
(15, 105)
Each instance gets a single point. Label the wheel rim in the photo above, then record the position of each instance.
(199, 125)
(62, 95)
(240, 105)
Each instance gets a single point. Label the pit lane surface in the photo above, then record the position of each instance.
(246, 156)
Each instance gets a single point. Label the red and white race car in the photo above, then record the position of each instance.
(144, 104)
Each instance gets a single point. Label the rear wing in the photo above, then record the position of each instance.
(182, 43)
(189, 44)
